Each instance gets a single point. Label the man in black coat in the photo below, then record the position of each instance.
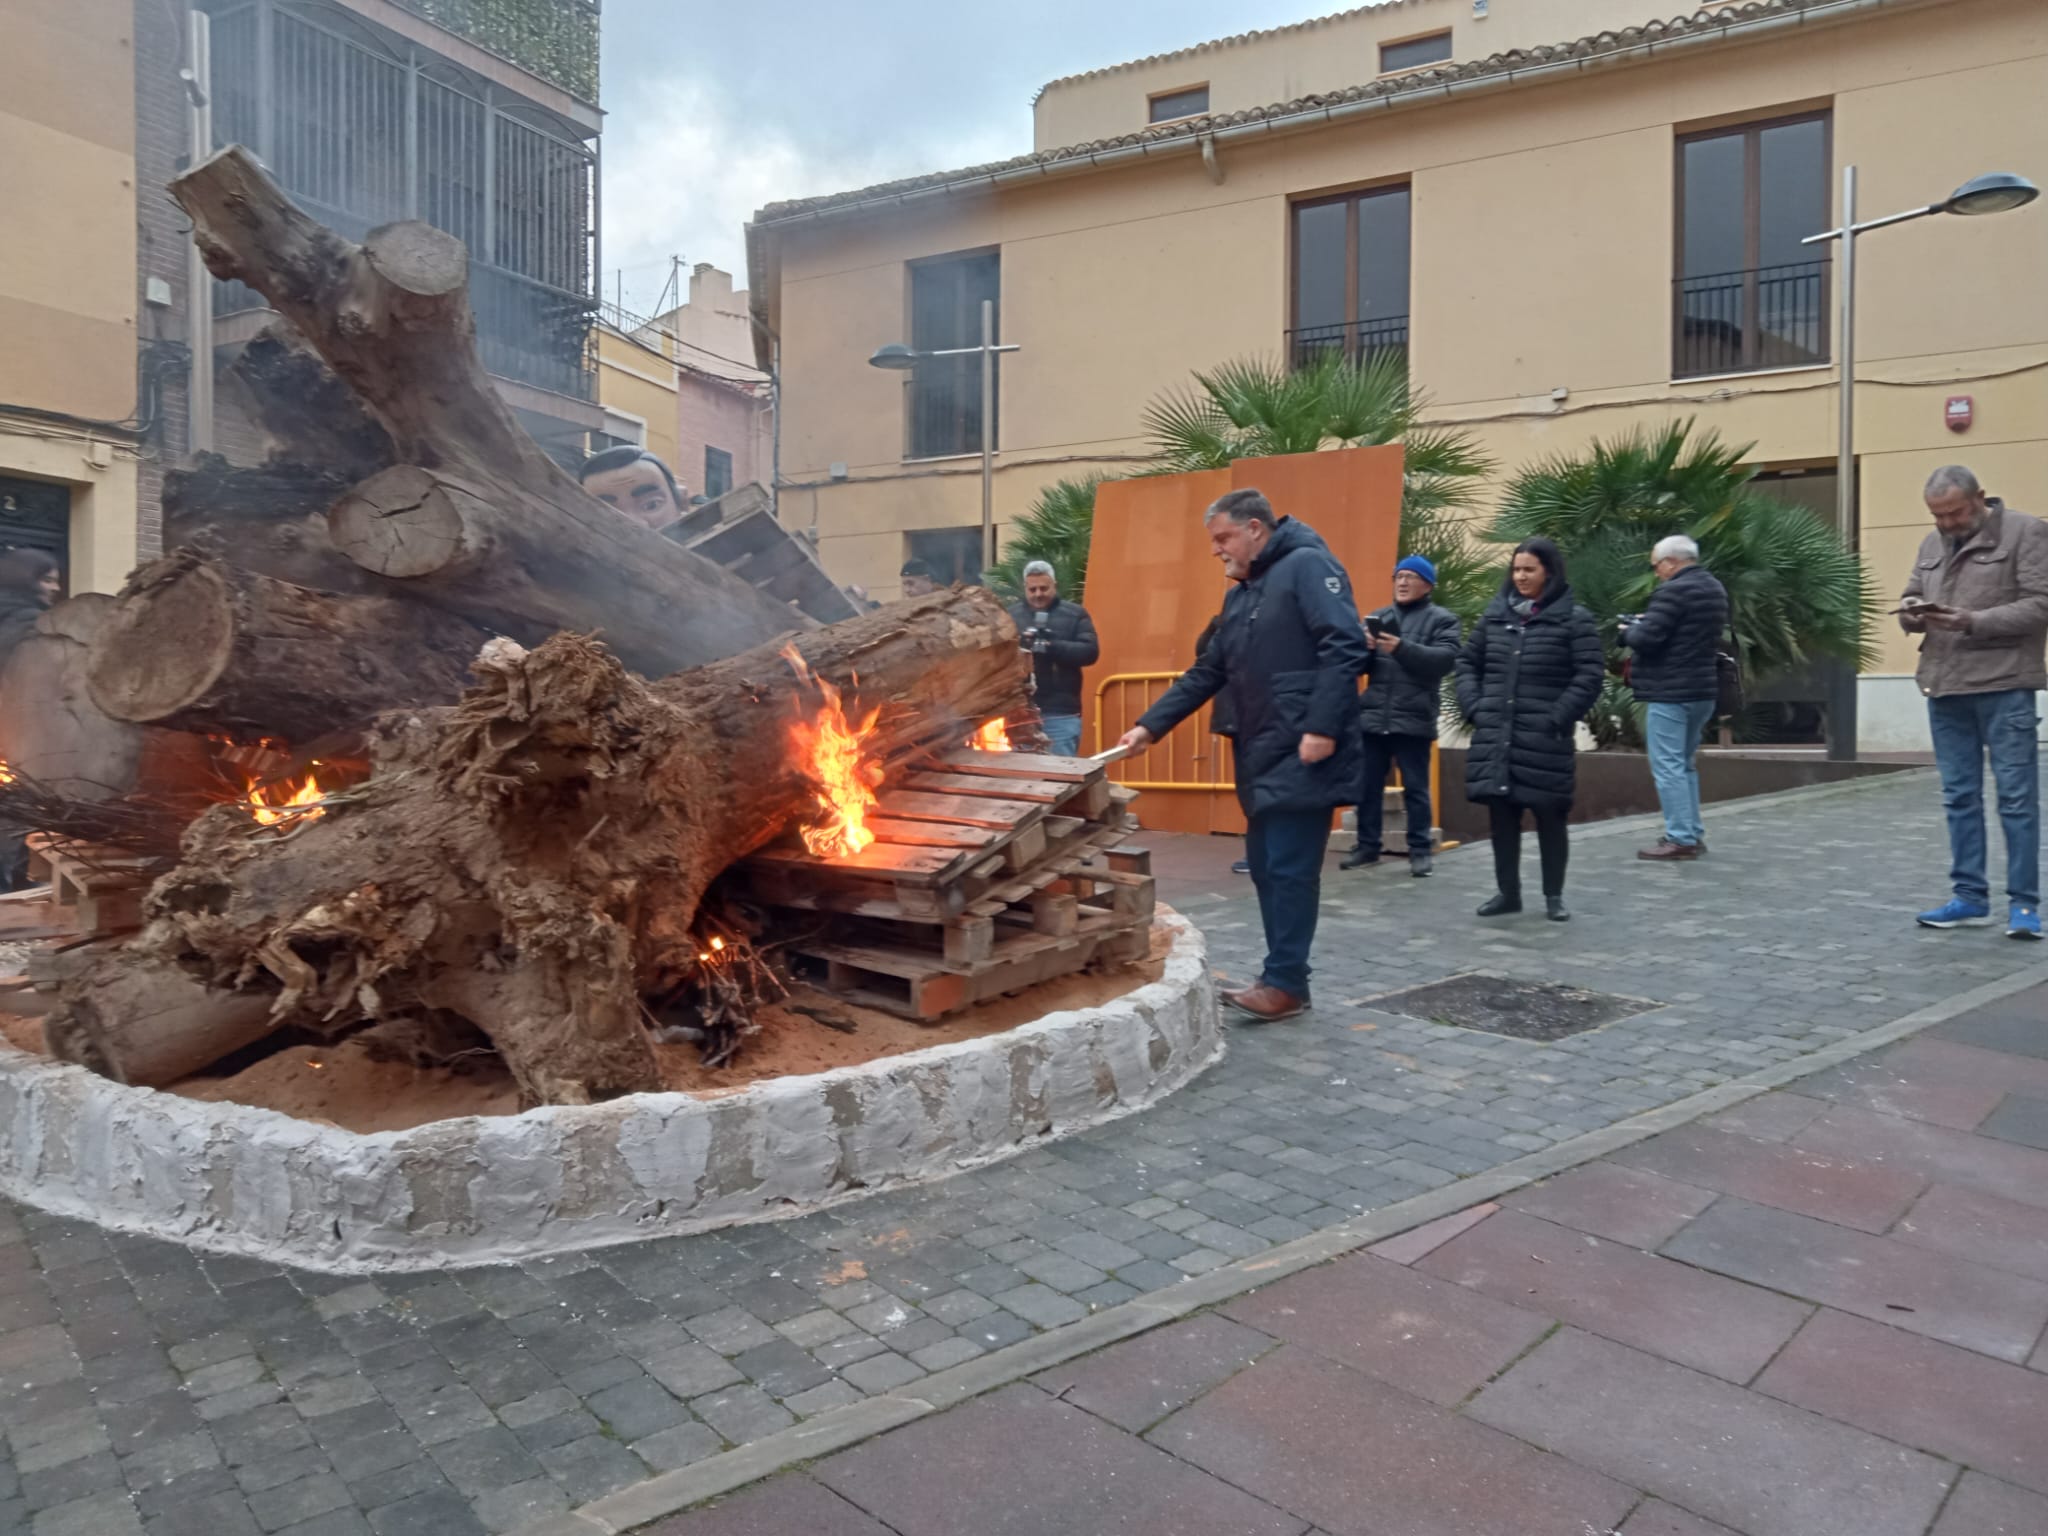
(1287, 655)
(1061, 639)
(1674, 671)
(1414, 646)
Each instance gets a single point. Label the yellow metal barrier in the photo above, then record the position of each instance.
(1139, 771)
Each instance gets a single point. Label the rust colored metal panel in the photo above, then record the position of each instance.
(1352, 497)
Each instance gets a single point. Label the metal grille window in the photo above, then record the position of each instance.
(1351, 274)
(542, 187)
(945, 392)
(338, 129)
(451, 164)
(1747, 294)
(717, 472)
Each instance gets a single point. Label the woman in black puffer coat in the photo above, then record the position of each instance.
(1529, 672)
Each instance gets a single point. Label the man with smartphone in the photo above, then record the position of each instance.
(1414, 646)
(1979, 595)
(1061, 639)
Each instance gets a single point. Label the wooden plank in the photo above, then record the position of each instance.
(1094, 800)
(799, 887)
(1043, 791)
(932, 834)
(1126, 895)
(1021, 765)
(969, 939)
(973, 811)
(1025, 849)
(1131, 861)
(1057, 914)
(903, 865)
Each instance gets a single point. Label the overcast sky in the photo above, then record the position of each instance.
(715, 109)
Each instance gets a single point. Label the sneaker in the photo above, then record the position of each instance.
(2025, 923)
(1420, 864)
(1359, 857)
(1241, 867)
(1958, 913)
(1666, 851)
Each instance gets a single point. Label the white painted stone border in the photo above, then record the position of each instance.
(481, 1190)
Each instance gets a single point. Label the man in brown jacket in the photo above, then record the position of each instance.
(1979, 594)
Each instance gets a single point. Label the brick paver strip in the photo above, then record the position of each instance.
(1943, 1082)
(1359, 1458)
(1986, 1229)
(1625, 1205)
(791, 1506)
(1983, 1506)
(1751, 1463)
(1702, 1320)
(2019, 1118)
(2013, 1027)
(1653, 1517)
(1139, 1382)
(1943, 1297)
(1423, 1335)
(1770, 1173)
(1957, 1157)
(1950, 1401)
(1335, 1132)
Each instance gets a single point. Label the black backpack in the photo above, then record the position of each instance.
(1728, 696)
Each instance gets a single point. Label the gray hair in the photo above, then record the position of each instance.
(1042, 568)
(1243, 506)
(1952, 477)
(1676, 547)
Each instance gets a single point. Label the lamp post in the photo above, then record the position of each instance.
(898, 357)
(1995, 192)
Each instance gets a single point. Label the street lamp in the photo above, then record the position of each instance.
(898, 357)
(1995, 192)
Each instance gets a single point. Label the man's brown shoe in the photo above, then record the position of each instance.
(1267, 1004)
(1667, 851)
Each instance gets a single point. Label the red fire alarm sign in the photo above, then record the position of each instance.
(1961, 411)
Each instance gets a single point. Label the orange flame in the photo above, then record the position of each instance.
(6, 773)
(991, 738)
(828, 747)
(273, 803)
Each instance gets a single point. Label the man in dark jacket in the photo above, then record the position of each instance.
(1414, 646)
(1061, 639)
(1675, 673)
(1287, 656)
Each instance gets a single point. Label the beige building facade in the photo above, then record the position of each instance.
(1586, 220)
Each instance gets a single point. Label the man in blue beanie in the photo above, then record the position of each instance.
(1414, 646)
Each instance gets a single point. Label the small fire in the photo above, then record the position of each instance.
(843, 782)
(991, 738)
(273, 803)
(6, 773)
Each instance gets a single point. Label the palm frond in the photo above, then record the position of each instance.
(1057, 530)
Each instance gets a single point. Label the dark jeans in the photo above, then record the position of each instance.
(1285, 851)
(1411, 755)
(1552, 843)
(2002, 726)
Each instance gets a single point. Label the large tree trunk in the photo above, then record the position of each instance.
(200, 646)
(532, 860)
(271, 520)
(472, 517)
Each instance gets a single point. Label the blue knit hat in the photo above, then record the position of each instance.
(1419, 566)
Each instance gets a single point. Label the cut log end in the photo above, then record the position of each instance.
(402, 522)
(418, 259)
(161, 656)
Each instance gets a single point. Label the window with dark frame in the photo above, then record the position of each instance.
(1747, 295)
(717, 472)
(944, 393)
(1414, 52)
(954, 554)
(1351, 276)
(1192, 102)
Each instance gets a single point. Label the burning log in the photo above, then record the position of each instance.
(532, 860)
(470, 517)
(200, 646)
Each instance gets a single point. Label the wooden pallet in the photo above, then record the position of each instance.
(97, 890)
(992, 871)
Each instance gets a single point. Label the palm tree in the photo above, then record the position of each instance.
(1251, 408)
(1055, 530)
(1796, 593)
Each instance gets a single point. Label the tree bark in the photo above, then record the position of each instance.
(200, 646)
(472, 517)
(532, 859)
(271, 520)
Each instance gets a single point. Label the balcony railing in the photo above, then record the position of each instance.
(1359, 341)
(1742, 322)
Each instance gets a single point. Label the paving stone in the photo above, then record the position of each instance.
(1952, 1402)
(1001, 1452)
(339, 1522)
(690, 1370)
(833, 1394)
(517, 1506)
(742, 1413)
(591, 1467)
(438, 1512)
(810, 1329)
(1622, 1204)
(1932, 1151)
(1138, 1382)
(776, 1508)
(71, 1480)
(2020, 1119)
(1985, 1229)
(678, 1446)
(997, 1330)
(945, 1354)
(957, 1307)
(1040, 1305)
(732, 1330)
(1945, 1298)
(211, 1350)
(1753, 1464)
(881, 1373)
(371, 1455)
(2012, 1026)
(1653, 1517)
(1982, 1506)
(1621, 1293)
(635, 1409)
(276, 1508)
(333, 1429)
(841, 1353)
(39, 1447)
(276, 1471)
(165, 1460)
(105, 1514)
(1851, 1194)
(217, 1514)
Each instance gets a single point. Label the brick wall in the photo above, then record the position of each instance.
(161, 136)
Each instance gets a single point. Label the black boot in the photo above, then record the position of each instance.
(1555, 909)
(1358, 857)
(1420, 864)
(1500, 905)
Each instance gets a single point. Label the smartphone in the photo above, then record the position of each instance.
(1374, 626)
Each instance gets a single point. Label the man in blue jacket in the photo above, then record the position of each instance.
(1287, 656)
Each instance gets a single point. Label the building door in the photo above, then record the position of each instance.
(35, 514)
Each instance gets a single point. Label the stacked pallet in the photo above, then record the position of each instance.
(991, 872)
(94, 891)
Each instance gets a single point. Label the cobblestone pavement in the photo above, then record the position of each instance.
(1818, 1313)
(147, 1388)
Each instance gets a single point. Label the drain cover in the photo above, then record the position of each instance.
(1526, 1010)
